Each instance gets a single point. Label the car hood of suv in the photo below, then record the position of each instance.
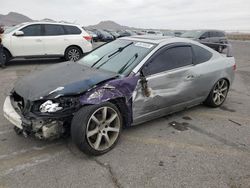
(64, 79)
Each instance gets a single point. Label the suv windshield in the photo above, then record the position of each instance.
(10, 29)
(192, 34)
(119, 56)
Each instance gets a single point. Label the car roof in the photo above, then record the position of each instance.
(157, 39)
(46, 22)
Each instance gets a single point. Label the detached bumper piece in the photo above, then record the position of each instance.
(40, 128)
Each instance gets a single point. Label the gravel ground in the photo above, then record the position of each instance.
(207, 147)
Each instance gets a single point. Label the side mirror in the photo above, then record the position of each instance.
(19, 33)
(202, 37)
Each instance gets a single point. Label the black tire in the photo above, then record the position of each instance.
(81, 123)
(6, 56)
(211, 99)
(220, 49)
(73, 53)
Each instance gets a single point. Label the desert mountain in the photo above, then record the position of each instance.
(13, 18)
(110, 25)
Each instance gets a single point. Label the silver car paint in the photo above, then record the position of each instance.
(181, 88)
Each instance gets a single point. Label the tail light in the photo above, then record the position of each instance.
(88, 38)
(234, 67)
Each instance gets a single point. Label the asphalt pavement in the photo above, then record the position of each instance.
(205, 147)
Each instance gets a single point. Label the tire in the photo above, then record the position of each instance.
(218, 94)
(73, 53)
(6, 56)
(92, 132)
(220, 49)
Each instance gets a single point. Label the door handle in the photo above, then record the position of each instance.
(38, 40)
(190, 77)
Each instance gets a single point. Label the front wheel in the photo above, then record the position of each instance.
(73, 54)
(218, 94)
(95, 129)
(6, 57)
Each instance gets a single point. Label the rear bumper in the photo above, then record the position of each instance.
(11, 114)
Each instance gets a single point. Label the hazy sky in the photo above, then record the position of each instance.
(169, 14)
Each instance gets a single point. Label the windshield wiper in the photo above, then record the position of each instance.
(118, 50)
(99, 60)
(121, 49)
(128, 63)
(114, 54)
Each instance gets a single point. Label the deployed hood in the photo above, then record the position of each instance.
(60, 80)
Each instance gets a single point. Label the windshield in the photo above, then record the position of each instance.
(10, 29)
(192, 34)
(119, 56)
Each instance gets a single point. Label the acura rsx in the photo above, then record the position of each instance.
(123, 83)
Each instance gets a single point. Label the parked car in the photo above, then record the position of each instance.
(45, 39)
(178, 33)
(123, 83)
(126, 33)
(114, 34)
(93, 35)
(213, 38)
(168, 33)
(157, 33)
(103, 35)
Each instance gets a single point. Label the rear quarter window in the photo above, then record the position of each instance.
(72, 30)
(201, 55)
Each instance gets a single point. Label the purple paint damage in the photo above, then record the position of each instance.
(118, 88)
(113, 89)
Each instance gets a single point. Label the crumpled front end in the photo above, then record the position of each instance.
(51, 117)
(17, 110)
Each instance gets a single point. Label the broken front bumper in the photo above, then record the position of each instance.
(40, 128)
(11, 114)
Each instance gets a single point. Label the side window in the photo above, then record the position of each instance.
(213, 34)
(170, 59)
(200, 54)
(51, 30)
(204, 35)
(32, 30)
(72, 30)
(220, 34)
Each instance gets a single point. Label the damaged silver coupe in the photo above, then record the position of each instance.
(123, 83)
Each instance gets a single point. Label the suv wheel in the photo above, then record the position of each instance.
(220, 49)
(73, 54)
(6, 56)
(95, 129)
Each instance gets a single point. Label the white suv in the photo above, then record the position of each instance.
(45, 39)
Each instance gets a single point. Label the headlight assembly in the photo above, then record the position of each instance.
(50, 106)
(60, 105)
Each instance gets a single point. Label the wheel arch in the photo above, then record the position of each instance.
(6, 49)
(73, 46)
(124, 109)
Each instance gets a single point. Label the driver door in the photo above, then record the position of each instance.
(170, 77)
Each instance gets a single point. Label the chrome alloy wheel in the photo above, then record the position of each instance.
(103, 128)
(74, 54)
(220, 91)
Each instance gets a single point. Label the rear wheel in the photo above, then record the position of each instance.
(220, 49)
(218, 94)
(96, 129)
(73, 54)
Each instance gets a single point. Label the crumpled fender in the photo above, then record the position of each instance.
(113, 89)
